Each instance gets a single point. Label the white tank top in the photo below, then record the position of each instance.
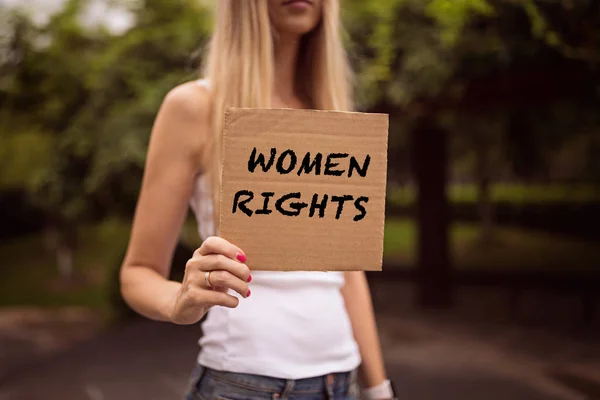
(293, 326)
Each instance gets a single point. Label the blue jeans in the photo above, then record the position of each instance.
(208, 384)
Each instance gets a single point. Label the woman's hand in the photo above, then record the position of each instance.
(215, 267)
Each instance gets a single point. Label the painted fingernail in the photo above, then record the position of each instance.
(249, 278)
(248, 294)
(241, 257)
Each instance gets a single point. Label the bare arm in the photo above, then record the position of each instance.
(360, 310)
(172, 164)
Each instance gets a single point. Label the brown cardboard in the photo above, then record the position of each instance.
(273, 241)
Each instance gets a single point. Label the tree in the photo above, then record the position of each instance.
(77, 103)
(87, 99)
(462, 64)
(407, 63)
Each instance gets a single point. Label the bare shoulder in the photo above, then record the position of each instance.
(184, 116)
(189, 100)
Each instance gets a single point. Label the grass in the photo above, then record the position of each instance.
(509, 193)
(29, 274)
(400, 239)
(509, 248)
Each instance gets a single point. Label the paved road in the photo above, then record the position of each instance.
(148, 360)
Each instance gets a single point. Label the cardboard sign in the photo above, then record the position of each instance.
(304, 190)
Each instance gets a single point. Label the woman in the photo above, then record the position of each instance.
(297, 335)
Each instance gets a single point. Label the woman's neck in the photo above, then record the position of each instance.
(285, 62)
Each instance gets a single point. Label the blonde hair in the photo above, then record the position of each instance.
(239, 67)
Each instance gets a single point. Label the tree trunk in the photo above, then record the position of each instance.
(484, 199)
(485, 210)
(430, 163)
(64, 260)
(61, 240)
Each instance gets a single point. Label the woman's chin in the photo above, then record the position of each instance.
(297, 25)
(298, 29)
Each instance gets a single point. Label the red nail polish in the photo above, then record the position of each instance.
(248, 294)
(241, 257)
(249, 278)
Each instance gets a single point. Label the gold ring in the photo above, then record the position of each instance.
(207, 279)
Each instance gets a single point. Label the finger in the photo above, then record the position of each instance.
(216, 298)
(224, 279)
(221, 289)
(217, 245)
(215, 262)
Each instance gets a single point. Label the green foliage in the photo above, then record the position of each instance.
(77, 103)
(370, 26)
(91, 98)
(18, 167)
(453, 15)
(578, 22)
(431, 52)
(406, 50)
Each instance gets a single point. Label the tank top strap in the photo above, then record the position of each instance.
(203, 83)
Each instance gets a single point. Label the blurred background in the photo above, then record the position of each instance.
(491, 279)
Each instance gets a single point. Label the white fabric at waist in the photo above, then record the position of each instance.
(293, 326)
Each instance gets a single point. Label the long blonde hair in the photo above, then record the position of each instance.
(239, 67)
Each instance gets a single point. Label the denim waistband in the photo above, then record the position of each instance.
(318, 384)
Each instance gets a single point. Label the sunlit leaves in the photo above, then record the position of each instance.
(405, 49)
(453, 15)
(94, 95)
